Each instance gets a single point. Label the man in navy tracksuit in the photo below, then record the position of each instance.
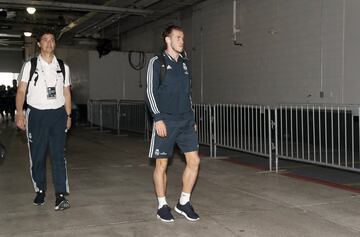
(169, 100)
(47, 118)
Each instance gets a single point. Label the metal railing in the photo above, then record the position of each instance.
(102, 113)
(116, 115)
(204, 125)
(327, 135)
(244, 128)
(319, 134)
(132, 116)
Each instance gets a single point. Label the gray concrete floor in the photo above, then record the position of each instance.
(112, 195)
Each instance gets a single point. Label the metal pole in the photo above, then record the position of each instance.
(320, 156)
(215, 130)
(345, 131)
(269, 139)
(101, 118)
(276, 142)
(326, 141)
(302, 133)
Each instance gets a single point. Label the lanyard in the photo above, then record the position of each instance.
(43, 73)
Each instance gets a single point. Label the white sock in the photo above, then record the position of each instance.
(162, 202)
(184, 198)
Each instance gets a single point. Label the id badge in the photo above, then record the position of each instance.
(51, 93)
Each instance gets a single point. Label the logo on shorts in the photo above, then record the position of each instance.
(158, 153)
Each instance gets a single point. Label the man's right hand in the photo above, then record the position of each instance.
(20, 99)
(20, 120)
(160, 128)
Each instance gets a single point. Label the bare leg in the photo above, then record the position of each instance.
(190, 174)
(191, 171)
(160, 177)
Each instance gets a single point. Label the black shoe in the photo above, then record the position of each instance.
(61, 202)
(40, 198)
(164, 214)
(188, 211)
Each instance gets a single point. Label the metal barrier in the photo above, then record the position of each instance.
(320, 134)
(89, 112)
(204, 124)
(132, 116)
(108, 112)
(123, 115)
(94, 113)
(243, 127)
(102, 113)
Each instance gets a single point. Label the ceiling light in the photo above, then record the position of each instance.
(31, 10)
(27, 34)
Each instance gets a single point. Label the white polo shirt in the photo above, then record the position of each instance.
(49, 75)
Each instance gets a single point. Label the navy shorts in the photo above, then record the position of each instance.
(181, 132)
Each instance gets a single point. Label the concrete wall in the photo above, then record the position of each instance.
(351, 83)
(78, 61)
(293, 51)
(148, 38)
(112, 77)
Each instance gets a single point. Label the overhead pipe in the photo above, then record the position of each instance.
(235, 29)
(65, 32)
(73, 6)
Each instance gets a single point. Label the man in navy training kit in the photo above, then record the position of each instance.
(47, 118)
(169, 100)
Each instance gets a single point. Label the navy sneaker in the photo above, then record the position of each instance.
(164, 214)
(188, 211)
(39, 198)
(61, 203)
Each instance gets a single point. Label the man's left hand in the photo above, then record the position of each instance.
(68, 123)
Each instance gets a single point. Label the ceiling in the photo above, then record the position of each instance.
(83, 22)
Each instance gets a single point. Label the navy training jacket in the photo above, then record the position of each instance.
(171, 97)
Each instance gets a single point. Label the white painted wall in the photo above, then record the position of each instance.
(292, 50)
(149, 37)
(112, 77)
(352, 52)
(78, 61)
